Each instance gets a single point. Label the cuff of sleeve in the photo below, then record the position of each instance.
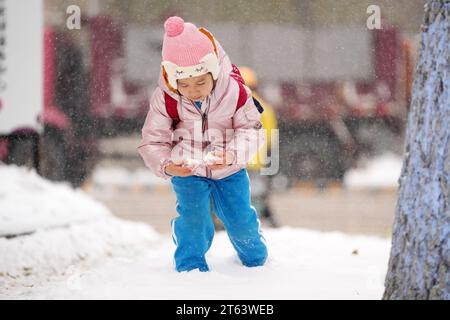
(164, 165)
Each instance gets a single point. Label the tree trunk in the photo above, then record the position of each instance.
(419, 265)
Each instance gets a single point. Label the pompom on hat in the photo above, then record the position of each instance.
(187, 51)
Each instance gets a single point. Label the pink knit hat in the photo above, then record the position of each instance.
(187, 52)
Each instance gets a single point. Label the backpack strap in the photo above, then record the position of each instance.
(258, 105)
(236, 75)
(171, 108)
(242, 94)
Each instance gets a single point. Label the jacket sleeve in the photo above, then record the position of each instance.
(156, 144)
(249, 136)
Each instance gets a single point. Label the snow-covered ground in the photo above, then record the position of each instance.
(28, 202)
(57, 227)
(95, 255)
(379, 172)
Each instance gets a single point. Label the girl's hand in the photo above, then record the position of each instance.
(178, 170)
(225, 160)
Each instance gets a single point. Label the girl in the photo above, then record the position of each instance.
(201, 130)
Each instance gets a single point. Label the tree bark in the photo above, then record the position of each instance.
(419, 265)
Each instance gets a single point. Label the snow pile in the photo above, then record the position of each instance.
(62, 226)
(121, 177)
(89, 254)
(380, 172)
(29, 202)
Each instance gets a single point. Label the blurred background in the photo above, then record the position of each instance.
(73, 101)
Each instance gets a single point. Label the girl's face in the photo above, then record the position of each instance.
(196, 88)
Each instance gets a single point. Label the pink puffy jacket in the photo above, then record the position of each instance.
(218, 126)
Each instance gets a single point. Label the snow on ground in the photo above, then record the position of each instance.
(380, 172)
(28, 202)
(303, 265)
(62, 227)
(108, 258)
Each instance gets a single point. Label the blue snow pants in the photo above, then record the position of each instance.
(193, 229)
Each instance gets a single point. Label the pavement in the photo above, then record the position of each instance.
(351, 212)
(334, 208)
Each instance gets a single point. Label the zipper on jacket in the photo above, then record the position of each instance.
(204, 126)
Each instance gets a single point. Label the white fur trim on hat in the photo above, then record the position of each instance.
(208, 63)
